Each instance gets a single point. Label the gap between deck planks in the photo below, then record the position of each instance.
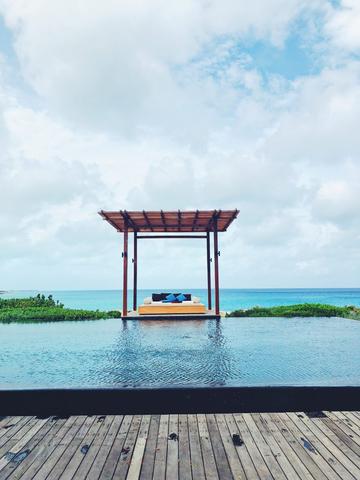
(276, 446)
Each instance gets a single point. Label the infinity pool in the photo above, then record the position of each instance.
(233, 352)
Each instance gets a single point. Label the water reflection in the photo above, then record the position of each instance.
(161, 352)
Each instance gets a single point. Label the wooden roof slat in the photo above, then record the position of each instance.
(147, 221)
(231, 219)
(211, 220)
(128, 219)
(195, 220)
(170, 221)
(163, 220)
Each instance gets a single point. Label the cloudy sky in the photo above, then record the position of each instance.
(191, 104)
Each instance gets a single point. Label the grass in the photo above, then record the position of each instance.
(300, 310)
(42, 309)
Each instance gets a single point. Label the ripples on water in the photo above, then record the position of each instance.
(236, 352)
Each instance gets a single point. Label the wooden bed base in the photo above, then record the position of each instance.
(172, 309)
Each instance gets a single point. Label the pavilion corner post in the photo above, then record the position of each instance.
(208, 265)
(135, 273)
(216, 267)
(125, 271)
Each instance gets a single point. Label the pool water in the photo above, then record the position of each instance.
(231, 352)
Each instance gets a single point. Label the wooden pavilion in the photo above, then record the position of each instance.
(147, 225)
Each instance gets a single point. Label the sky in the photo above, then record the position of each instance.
(180, 105)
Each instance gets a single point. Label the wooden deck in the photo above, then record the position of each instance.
(275, 446)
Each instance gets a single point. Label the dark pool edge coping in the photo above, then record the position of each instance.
(64, 402)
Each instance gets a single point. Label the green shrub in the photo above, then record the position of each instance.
(301, 310)
(38, 301)
(42, 309)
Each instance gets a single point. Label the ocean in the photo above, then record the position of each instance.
(230, 298)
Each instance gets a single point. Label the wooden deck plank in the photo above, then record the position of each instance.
(279, 455)
(285, 445)
(333, 444)
(356, 414)
(293, 437)
(36, 455)
(4, 421)
(102, 453)
(14, 433)
(230, 450)
(320, 454)
(260, 465)
(127, 449)
(161, 449)
(345, 434)
(28, 449)
(115, 450)
(196, 459)
(70, 452)
(241, 450)
(87, 448)
(222, 463)
(206, 449)
(184, 449)
(265, 450)
(150, 449)
(60, 448)
(45, 450)
(15, 445)
(7, 423)
(172, 458)
(139, 449)
(78, 456)
(353, 418)
(351, 430)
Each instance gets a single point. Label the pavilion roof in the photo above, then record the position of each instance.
(170, 221)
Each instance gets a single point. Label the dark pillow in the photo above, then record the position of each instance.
(159, 297)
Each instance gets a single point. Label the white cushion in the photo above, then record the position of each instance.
(195, 299)
(147, 301)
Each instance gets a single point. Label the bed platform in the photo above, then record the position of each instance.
(207, 315)
(172, 309)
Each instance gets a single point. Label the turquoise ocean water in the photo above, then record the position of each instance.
(230, 298)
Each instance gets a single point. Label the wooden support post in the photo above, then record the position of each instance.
(208, 264)
(135, 273)
(125, 270)
(216, 268)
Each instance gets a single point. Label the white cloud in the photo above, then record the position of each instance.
(343, 25)
(114, 65)
(145, 105)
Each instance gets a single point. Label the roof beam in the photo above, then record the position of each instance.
(163, 220)
(144, 237)
(213, 216)
(113, 224)
(195, 220)
(127, 219)
(147, 220)
(235, 214)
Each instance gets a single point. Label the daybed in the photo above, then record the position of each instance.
(155, 306)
